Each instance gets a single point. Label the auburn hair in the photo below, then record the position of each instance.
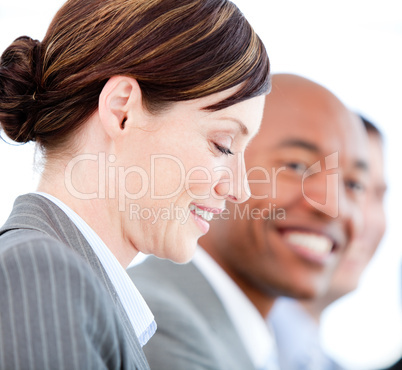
(176, 50)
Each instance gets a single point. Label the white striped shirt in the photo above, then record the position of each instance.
(136, 308)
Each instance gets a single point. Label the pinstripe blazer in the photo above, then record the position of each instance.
(194, 329)
(58, 307)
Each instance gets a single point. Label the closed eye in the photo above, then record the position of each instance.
(223, 150)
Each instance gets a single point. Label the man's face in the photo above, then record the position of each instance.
(287, 239)
(362, 248)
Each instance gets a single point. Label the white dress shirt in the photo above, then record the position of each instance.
(250, 325)
(137, 310)
(298, 338)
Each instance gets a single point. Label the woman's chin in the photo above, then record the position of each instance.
(182, 253)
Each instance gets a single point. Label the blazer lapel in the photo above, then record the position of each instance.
(212, 308)
(187, 279)
(35, 212)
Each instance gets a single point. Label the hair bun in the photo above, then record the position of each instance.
(20, 69)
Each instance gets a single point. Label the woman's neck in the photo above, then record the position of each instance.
(77, 183)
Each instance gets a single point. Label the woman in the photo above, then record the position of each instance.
(138, 107)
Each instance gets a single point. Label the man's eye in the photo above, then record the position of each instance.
(223, 150)
(298, 167)
(356, 186)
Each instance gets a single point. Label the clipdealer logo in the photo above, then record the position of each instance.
(331, 205)
(111, 184)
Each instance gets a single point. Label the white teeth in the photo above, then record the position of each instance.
(318, 244)
(208, 216)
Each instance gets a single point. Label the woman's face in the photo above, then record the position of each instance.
(177, 170)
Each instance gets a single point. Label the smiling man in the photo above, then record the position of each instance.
(296, 323)
(307, 171)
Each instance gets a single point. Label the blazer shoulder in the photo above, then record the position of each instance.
(54, 311)
(194, 329)
(34, 247)
(35, 212)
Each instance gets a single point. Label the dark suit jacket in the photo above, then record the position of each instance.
(58, 307)
(396, 366)
(194, 330)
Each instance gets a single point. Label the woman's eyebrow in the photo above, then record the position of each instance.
(243, 127)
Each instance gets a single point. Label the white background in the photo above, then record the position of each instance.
(354, 48)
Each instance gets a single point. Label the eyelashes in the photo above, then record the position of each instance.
(223, 150)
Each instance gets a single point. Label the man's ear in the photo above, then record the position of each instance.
(118, 99)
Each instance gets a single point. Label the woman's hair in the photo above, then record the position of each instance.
(176, 49)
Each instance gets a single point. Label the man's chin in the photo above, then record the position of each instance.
(301, 292)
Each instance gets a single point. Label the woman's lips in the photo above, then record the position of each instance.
(202, 215)
(207, 213)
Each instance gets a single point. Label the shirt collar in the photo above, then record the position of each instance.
(298, 336)
(140, 315)
(250, 325)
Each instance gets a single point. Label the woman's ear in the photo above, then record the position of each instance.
(119, 98)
